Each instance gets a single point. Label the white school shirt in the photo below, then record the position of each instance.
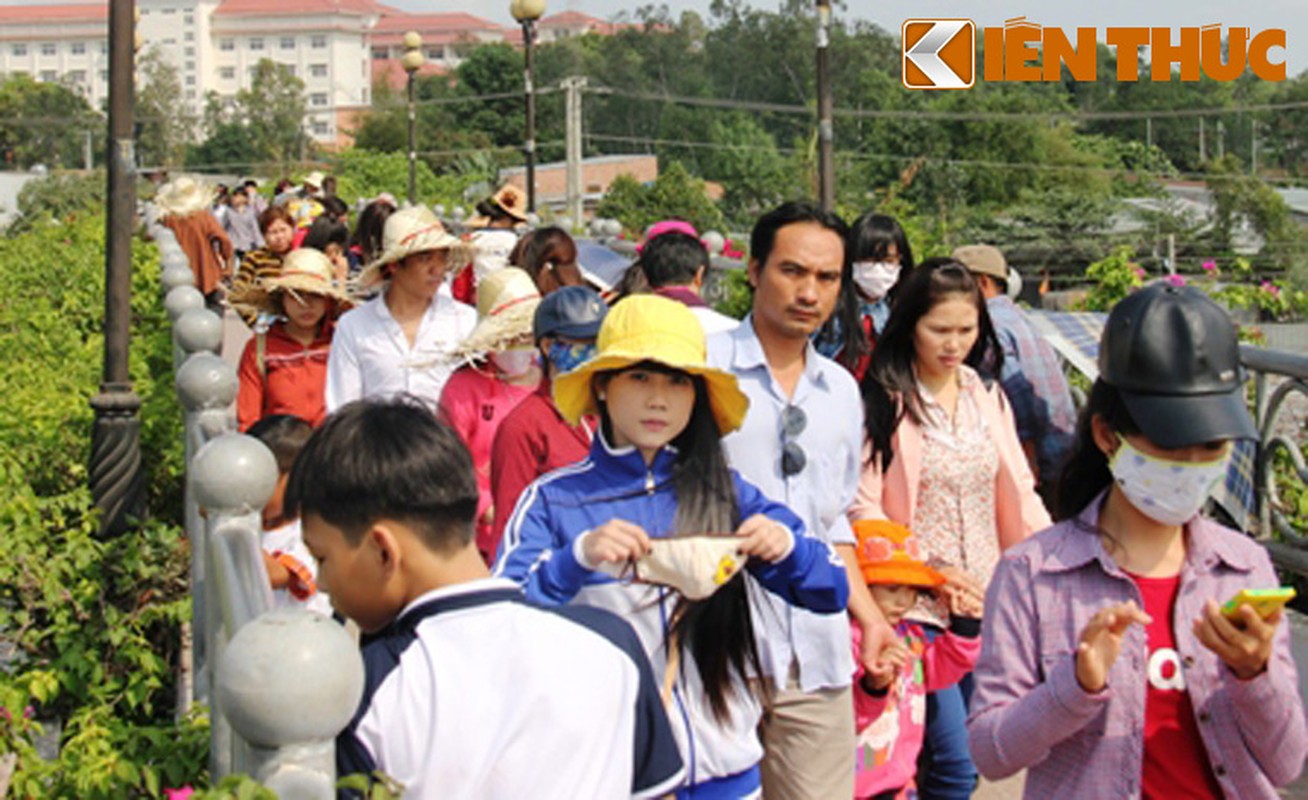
(289, 539)
(370, 356)
(472, 694)
(820, 494)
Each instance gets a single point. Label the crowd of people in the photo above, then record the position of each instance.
(601, 540)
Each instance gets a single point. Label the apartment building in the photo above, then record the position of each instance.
(337, 47)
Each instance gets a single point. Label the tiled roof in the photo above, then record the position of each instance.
(261, 8)
(399, 22)
(71, 12)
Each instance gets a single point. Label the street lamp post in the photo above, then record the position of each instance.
(826, 127)
(526, 12)
(115, 470)
(412, 61)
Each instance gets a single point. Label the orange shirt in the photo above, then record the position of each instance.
(293, 380)
(197, 234)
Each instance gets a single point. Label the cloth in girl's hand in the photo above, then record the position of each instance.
(696, 566)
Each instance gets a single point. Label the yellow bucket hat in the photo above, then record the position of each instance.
(647, 327)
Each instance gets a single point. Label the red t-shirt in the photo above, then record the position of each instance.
(1175, 760)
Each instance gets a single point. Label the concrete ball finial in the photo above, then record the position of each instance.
(233, 474)
(290, 676)
(206, 381)
(198, 329)
(175, 275)
(713, 242)
(182, 299)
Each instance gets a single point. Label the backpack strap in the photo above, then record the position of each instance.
(260, 352)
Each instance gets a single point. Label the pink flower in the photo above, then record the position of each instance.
(1210, 266)
(1175, 280)
(1271, 288)
(1140, 273)
(183, 793)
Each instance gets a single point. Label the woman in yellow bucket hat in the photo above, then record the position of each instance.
(655, 527)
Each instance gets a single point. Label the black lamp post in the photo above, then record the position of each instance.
(526, 12)
(412, 61)
(115, 470)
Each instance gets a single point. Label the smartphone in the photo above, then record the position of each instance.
(1264, 601)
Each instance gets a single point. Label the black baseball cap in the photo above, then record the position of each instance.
(1173, 355)
(574, 312)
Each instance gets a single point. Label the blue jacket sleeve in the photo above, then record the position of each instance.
(813, 575)
(537, 555)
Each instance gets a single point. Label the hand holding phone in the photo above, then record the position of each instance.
(1263, 601)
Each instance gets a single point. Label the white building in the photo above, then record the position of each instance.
(337, 47)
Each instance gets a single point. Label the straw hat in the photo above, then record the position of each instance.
(509, 199)
(414, 230)
(506, 304)
(888, 555)
(314, 179)
(305, 270)
(647, 327)
(183, 196)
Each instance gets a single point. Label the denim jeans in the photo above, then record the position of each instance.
(945, 769)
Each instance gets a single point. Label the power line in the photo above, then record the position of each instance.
(962, 116)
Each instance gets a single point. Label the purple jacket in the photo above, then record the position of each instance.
(1029, 711)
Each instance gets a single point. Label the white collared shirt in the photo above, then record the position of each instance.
(820, 494)
(371, 357)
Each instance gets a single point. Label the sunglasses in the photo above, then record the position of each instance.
(793, 457)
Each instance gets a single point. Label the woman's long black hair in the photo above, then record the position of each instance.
(1085, 473)
(718, 630)
(890, 385)
(869, 238)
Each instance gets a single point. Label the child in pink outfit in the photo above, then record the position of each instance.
(890, 703)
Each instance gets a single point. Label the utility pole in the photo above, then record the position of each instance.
(572, 135)
(1203, 145)
(86, 152)
(1221, 139)
(115, 474)
(1149, 131)
(826, 130)
(1253, 146)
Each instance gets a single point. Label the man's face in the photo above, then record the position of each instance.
(796, 290)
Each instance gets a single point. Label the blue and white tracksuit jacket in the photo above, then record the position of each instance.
(538, 552)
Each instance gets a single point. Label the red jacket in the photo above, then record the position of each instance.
(292, 381)
(532, 440)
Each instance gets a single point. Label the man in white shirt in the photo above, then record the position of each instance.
(676, 264)
(801, 445)
(402, 340)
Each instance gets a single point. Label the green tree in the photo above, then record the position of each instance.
(273, 112)
(675, 193)
(43, 123)
(163, 127)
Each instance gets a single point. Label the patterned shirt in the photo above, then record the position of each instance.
(1030, 712)
(1034, 382)
(954, 520)
(257, 266)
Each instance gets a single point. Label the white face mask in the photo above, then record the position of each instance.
(1170, 492)
(514, 363)
(696, 566)
(875, 278)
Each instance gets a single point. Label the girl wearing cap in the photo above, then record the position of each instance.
(656, 497)
(404, 340)
(890, 701)
(944, 459)
(534, 438)
(284, 370)
(879, 256)
(503, 373)
(1107, 668)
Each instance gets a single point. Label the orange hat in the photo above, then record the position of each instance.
(888, 555)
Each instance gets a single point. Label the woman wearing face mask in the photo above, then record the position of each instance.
(656, 497)
(879, 255)
(944, 460)
(1107, 668)
(504, 371)
(534, 438)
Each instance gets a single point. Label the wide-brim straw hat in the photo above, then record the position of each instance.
(888, 555)
(651, 328)
(184, 196)
(409, 231)
(509, 199)
(506, 305)
(314, 179)
(307, 271)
